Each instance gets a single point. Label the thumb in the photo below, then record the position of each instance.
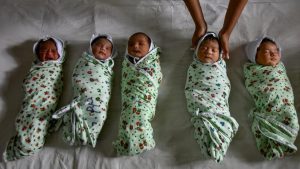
(225, 50)
(225, 54)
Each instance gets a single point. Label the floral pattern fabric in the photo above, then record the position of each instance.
(207, 90)
(274, 117)
(42, 87)
(140, 83)
(84, 117)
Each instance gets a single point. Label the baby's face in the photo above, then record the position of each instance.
(268, 54)
(208, 51)
(138, 46)
(102, 49)
(47, 51)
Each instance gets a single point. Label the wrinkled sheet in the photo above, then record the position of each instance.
(170, 25)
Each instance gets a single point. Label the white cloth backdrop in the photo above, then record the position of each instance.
(170, 25)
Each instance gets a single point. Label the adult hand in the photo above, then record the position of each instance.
(224, 42)
(235, 8)
(198, 18)
(198, 33)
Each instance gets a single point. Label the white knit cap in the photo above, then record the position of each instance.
(202, 39)
(251, 48)
(59, 45)
(106, 36)
(151, 44)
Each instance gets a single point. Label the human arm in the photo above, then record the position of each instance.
(233, 13)
(198, 18)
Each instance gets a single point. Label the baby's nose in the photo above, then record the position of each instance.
(272, 54)
(49, 54)
(209, 51)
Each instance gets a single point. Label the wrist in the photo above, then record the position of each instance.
(201, 28)
(225, 34)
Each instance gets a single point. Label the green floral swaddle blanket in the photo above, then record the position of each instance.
(42, 88)
(274, 118)
(207, 90)
(84, 117)
(140, 83)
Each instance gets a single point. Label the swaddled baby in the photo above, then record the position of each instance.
(207, 90)
(92, 77)
(42, 87)
(274, 117)
(141, 78)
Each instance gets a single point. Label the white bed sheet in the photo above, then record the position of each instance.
(170, 26)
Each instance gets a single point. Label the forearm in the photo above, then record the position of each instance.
(233, 13)
(196, 12)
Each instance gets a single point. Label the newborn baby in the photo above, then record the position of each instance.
(274, 117)
(141, 78)
(92, 78)
(207, 90)
(42, 87)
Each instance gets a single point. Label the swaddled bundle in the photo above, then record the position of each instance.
(274, 118)
(42, 88)
(84, 117)
(207, 90)
(140, 83)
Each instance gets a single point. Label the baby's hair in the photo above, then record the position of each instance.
(100, 37)
(37, 49)
(267, 40)
(211, 38)
(144, 34)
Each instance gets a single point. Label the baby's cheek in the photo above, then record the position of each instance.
(42, 57)
(276, 62)
(57, 56)
(52, 56)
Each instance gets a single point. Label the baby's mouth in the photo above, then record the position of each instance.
(49, 58)
(273, 59)
(102, 53)
(207, 57)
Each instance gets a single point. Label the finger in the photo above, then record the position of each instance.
(195, 40)
(225, 55)
(225, 50)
